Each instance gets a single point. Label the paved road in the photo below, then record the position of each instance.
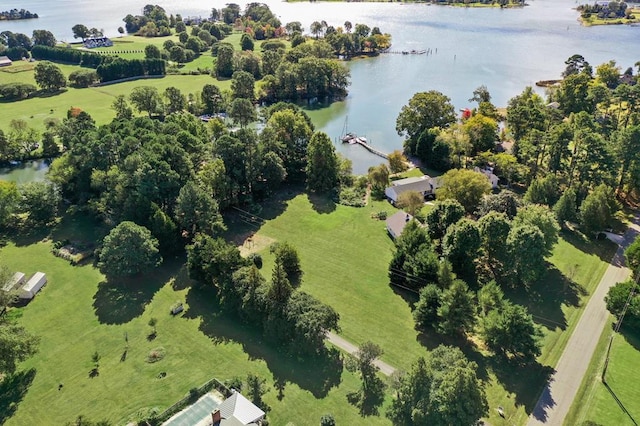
(560, 391)
(349, 347)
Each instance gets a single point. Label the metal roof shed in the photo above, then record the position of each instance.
(33, 286)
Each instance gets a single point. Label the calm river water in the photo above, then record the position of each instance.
(505, 50)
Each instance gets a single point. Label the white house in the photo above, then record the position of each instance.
(33, 286)
(237, 410)
(425, 185)
(488, 172)
(5, 61)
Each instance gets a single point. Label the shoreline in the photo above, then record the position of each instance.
(460, 4)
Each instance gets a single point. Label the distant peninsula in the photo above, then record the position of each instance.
(15, 14)
(610, 13)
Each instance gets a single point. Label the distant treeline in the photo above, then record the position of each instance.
(108, 68)
(15, 14)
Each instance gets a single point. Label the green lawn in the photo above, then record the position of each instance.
(598, 403)
(78, 313)
(95, 100)
(344, 255)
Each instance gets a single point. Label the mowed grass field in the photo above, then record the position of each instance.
(619, 403)
(79, 313)
(97, 100)
(345, 254)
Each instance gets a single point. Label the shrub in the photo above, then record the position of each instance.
(353, 197)
(156, 355)
(83, 78)
(256, 258)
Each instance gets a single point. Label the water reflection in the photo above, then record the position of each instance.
(27, 171)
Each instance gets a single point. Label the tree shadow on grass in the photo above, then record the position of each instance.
(368, 402)
(244, 221)
(411, 297)
(525, 381)
(77, 225)
(321, 203)
(545, 298)
(13, 388)
(119, 300)
(26, 235)
(604, 249)
(315, 374)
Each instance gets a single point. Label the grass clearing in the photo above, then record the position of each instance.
(79, 313)
(344, 255)
(95, 100)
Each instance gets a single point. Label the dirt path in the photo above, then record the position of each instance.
(349, 347)
(560, 391)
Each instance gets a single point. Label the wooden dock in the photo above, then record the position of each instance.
(371, 149)
(405, 52)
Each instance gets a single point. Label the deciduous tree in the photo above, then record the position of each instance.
(49, 77)
(443, 214)
(129, 249)
(597, 209)
(509, 329)
(411, 202)
(424, 111)
(457, 309)
(146, 99)
(322, 164)
(40, 201)
(542, 218)
(465, 186)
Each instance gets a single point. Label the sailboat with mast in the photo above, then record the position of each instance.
(350, 137)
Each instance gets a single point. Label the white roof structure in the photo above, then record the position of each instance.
(4, 60)
(240, 408)
(397, 222)
(422, 184)
(33, 286)
(14, 282)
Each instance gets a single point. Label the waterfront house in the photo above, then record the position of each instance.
(425, 185)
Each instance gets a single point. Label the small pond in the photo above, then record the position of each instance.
(26, 171)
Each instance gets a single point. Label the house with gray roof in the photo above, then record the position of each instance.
(237, 411)
(396, 223)
(425, 185)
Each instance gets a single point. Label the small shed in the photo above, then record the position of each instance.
(397, 222)
(16, 281)
(33, 286)
(5, 61)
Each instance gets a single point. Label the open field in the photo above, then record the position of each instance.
(344, 255)
(79, 313)
(97, 100)
(598, 403)
(94, 100)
